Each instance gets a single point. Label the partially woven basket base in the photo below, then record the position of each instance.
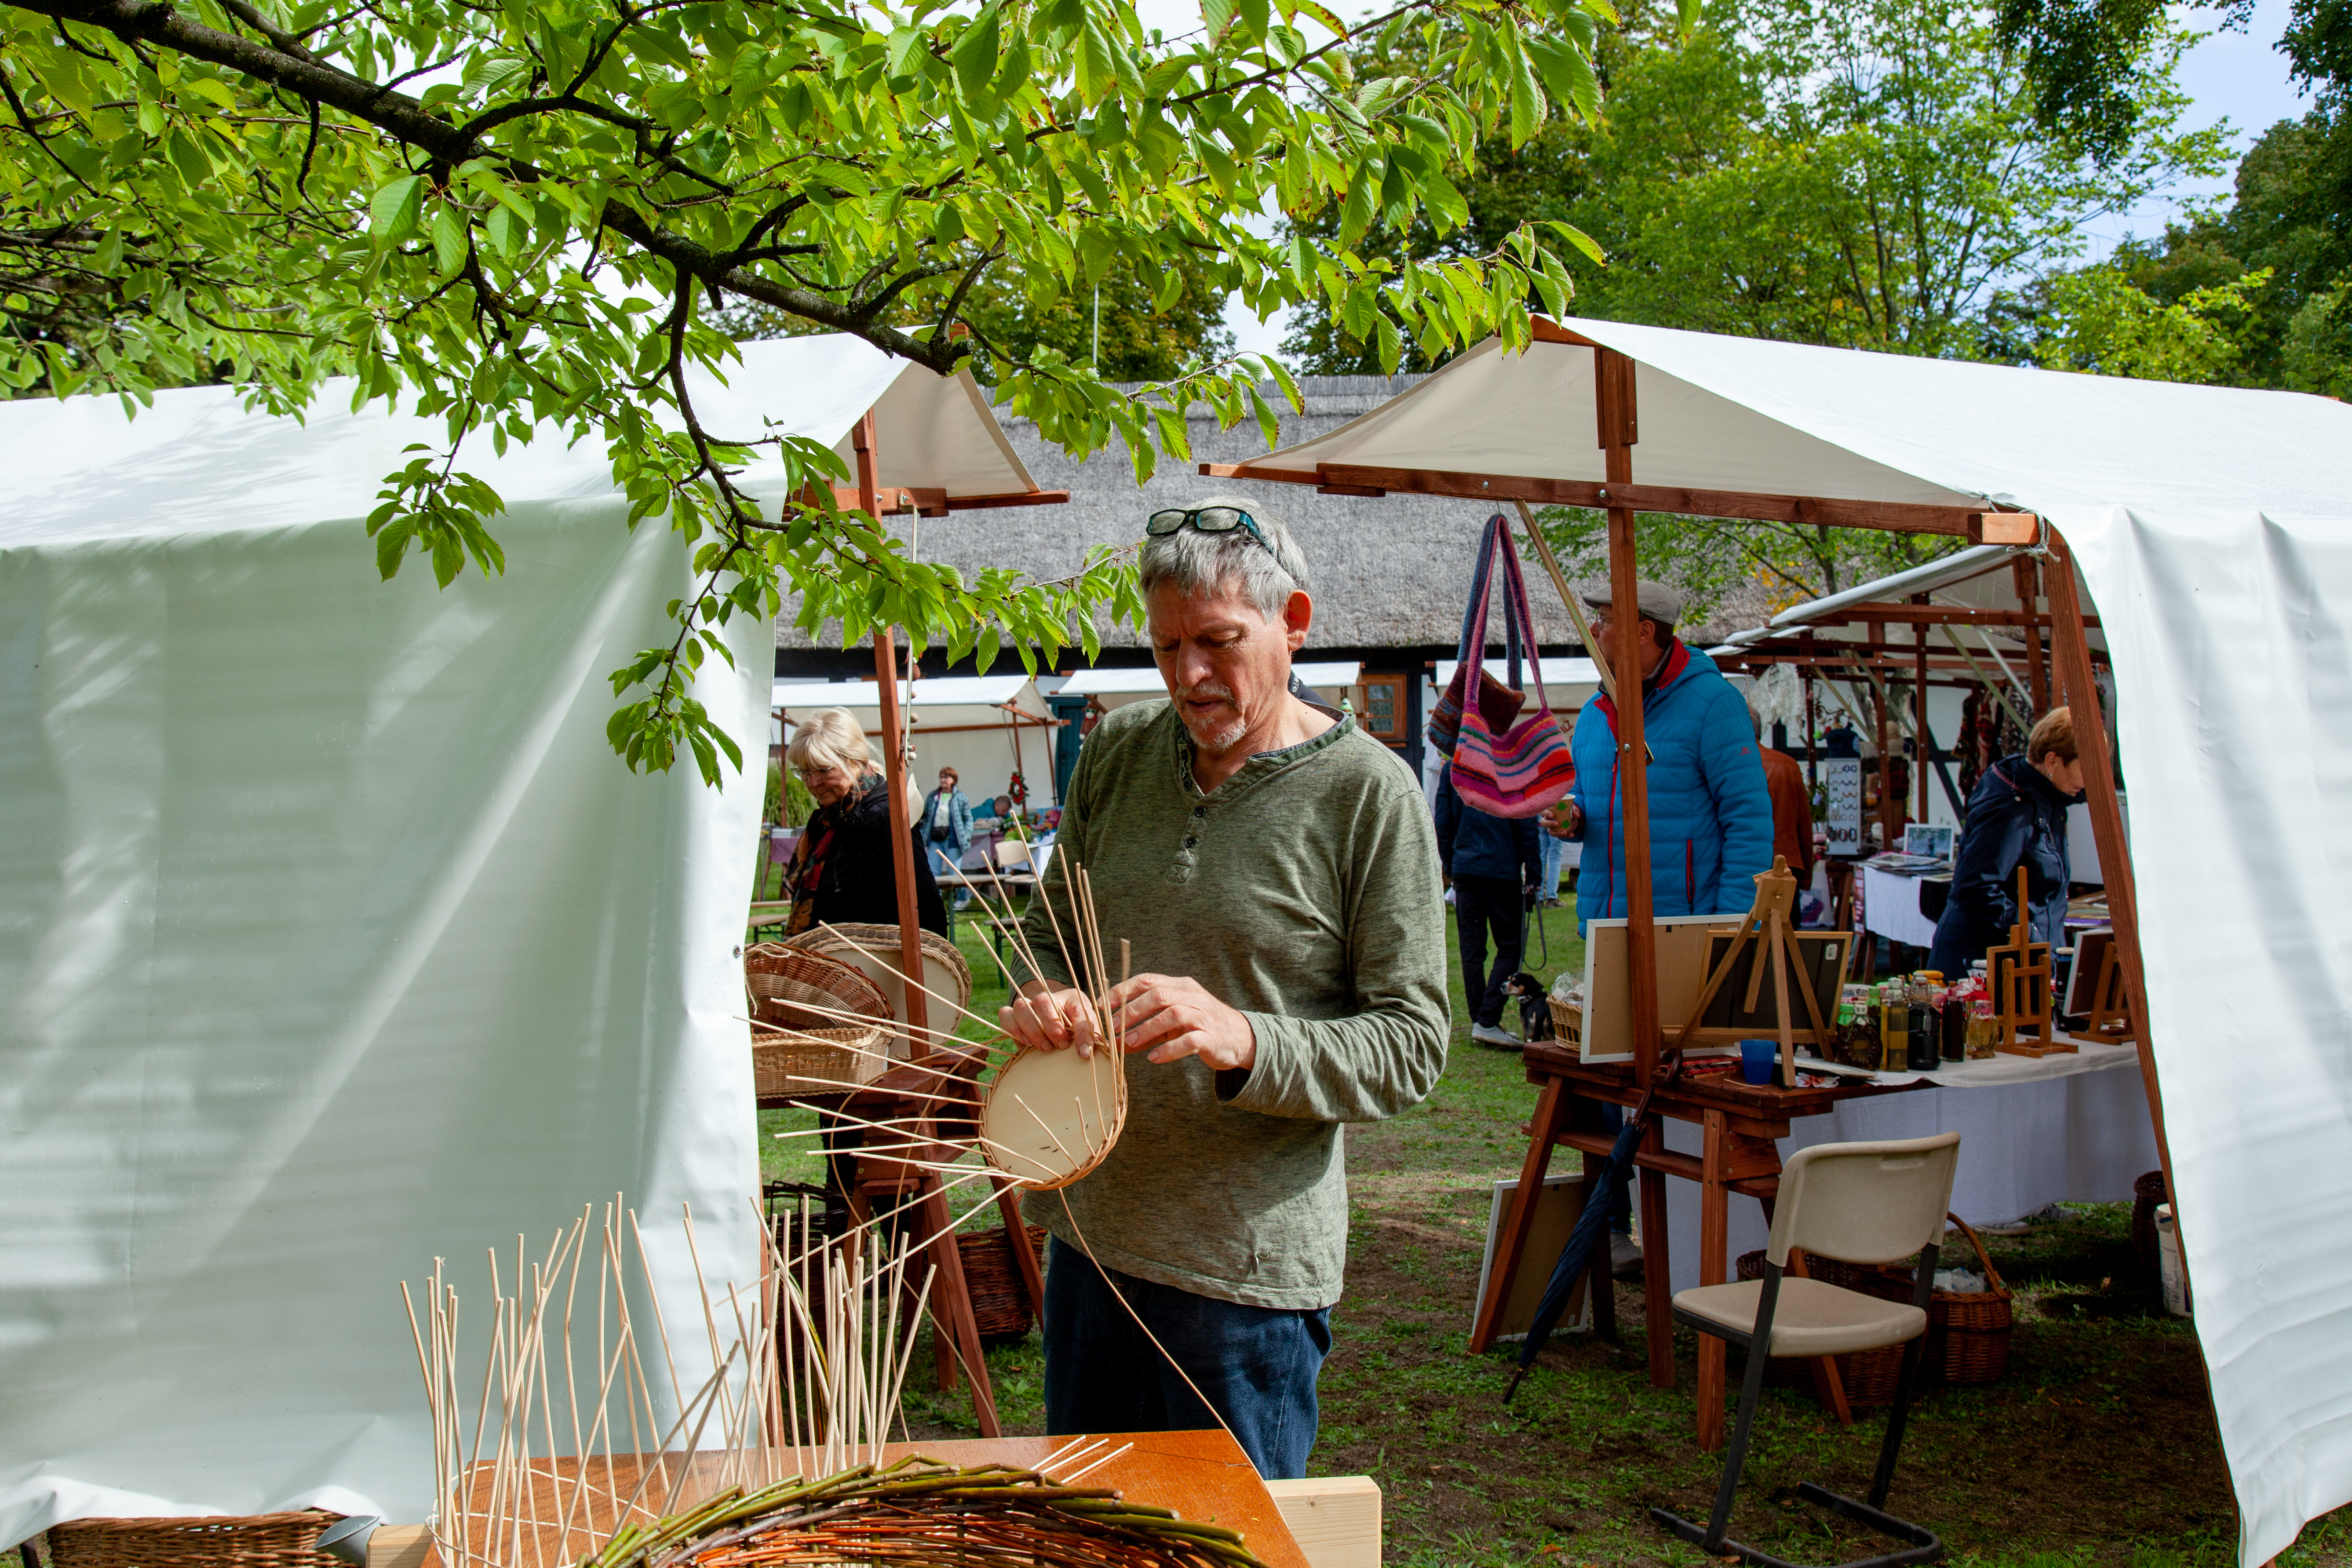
(249, 1541)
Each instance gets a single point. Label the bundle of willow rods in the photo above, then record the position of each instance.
(921, 1513)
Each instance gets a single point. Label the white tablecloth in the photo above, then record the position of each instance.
(1890, 906)
(2033, 1132)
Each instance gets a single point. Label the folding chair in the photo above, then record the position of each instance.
(1863, 1203)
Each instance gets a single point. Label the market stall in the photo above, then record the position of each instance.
(989, 728)
(2209, 527)
(337, 938)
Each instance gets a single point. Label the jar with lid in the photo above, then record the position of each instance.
(1858, 1040)
(1983, 1031)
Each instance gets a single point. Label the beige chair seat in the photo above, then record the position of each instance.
(1811, 1318)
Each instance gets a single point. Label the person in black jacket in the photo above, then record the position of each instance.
(1495, 863)
(2017, 816)
(841, 872)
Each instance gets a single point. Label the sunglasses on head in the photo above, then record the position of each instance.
(1205, 520)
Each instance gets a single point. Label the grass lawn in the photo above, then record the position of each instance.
(2099, 1448)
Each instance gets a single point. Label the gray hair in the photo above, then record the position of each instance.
(1199, 562)
(832, 738)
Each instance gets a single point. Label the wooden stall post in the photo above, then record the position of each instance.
(1620, 428)
(2070, 650)
(955, 1332)
(1922, 761)
(2029, 594)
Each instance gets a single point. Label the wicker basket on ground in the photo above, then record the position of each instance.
(2147, 1194)
(797, 1050)
(1000, 1298)
(1968, 1330)
(249, 1541)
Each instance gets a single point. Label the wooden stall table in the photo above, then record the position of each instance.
(1200, 1475)
(1740, 1125)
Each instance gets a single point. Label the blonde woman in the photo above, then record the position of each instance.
(841, 872)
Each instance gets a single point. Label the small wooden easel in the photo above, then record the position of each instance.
(2020, 973)
(1767, 922)
(2110, 1015)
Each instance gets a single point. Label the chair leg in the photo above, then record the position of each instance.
(1923, 1290)
(1751, 1389)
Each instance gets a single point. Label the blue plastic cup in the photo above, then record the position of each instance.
(1757, 1058)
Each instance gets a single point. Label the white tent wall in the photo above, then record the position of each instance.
(334, 937)
(2227, 633)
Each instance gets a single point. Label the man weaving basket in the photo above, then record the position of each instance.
(1275, 872)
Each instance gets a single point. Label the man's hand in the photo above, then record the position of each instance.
(1564, 821)
(1046, 1019)
(1171, 1017)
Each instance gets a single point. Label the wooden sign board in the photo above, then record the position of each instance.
(1608, 1034)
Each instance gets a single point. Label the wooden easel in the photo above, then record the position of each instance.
(1767, 922)
(2110, 1015)
(2020, 989)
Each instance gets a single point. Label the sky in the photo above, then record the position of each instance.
(2239, 77)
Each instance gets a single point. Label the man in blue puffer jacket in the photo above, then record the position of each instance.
(1710, 816)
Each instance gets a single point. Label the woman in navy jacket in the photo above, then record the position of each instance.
(2017, 816)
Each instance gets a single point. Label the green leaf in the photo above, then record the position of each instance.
(1216, 16)
(392, 211)
(974, 55)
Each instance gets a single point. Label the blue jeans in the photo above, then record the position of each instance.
(1103, 1375)
(943, 863)
(1551, 866)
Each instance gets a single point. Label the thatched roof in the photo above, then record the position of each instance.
(1388, 571)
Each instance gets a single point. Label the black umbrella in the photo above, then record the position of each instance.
(1600, 1196)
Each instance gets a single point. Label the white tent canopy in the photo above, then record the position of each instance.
(333, 936)
(966, 722)
(2213, 528)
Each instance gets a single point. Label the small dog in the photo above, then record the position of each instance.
(1535, 1005)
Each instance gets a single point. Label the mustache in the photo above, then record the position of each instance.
(1205, 688)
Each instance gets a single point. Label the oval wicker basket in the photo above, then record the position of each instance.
(247, 1540)
(1968, 1330)
(874, 948)
(1000, 1296)
(797, 1051)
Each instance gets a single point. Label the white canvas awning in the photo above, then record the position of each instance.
(2213, 528)
(199, 461)
(333, 936)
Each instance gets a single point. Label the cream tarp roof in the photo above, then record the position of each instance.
(2213, 527)
(198, 461)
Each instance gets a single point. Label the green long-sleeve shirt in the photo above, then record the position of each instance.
(1304, 891)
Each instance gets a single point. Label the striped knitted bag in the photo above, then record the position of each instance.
(1500, 704)
(1511, 769)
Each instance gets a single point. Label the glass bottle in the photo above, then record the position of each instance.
(1894, 1025)
(1982, 1030)
(1926, 1045)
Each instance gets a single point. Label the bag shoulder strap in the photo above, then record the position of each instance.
(1518, 612)
(1474, 612)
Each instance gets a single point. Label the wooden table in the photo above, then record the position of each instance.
(1200, 1475)
(1740, 1126)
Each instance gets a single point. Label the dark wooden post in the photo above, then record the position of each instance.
(2029, 592)
(1919, 706)
(2071, 649)
(1886, 805)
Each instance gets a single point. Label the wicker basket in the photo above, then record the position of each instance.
(250, 1540)
(820, 1054)
(1566, 1022)
(999, 1298)
(1967, 1331)
(2147, 1194)
(875, 950)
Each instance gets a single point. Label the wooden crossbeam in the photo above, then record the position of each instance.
(1977, 526)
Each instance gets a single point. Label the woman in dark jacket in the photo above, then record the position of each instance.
(2017, 816)
(841, 872)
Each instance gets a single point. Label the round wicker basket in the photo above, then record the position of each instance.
(249, 1541)
(874, 948)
